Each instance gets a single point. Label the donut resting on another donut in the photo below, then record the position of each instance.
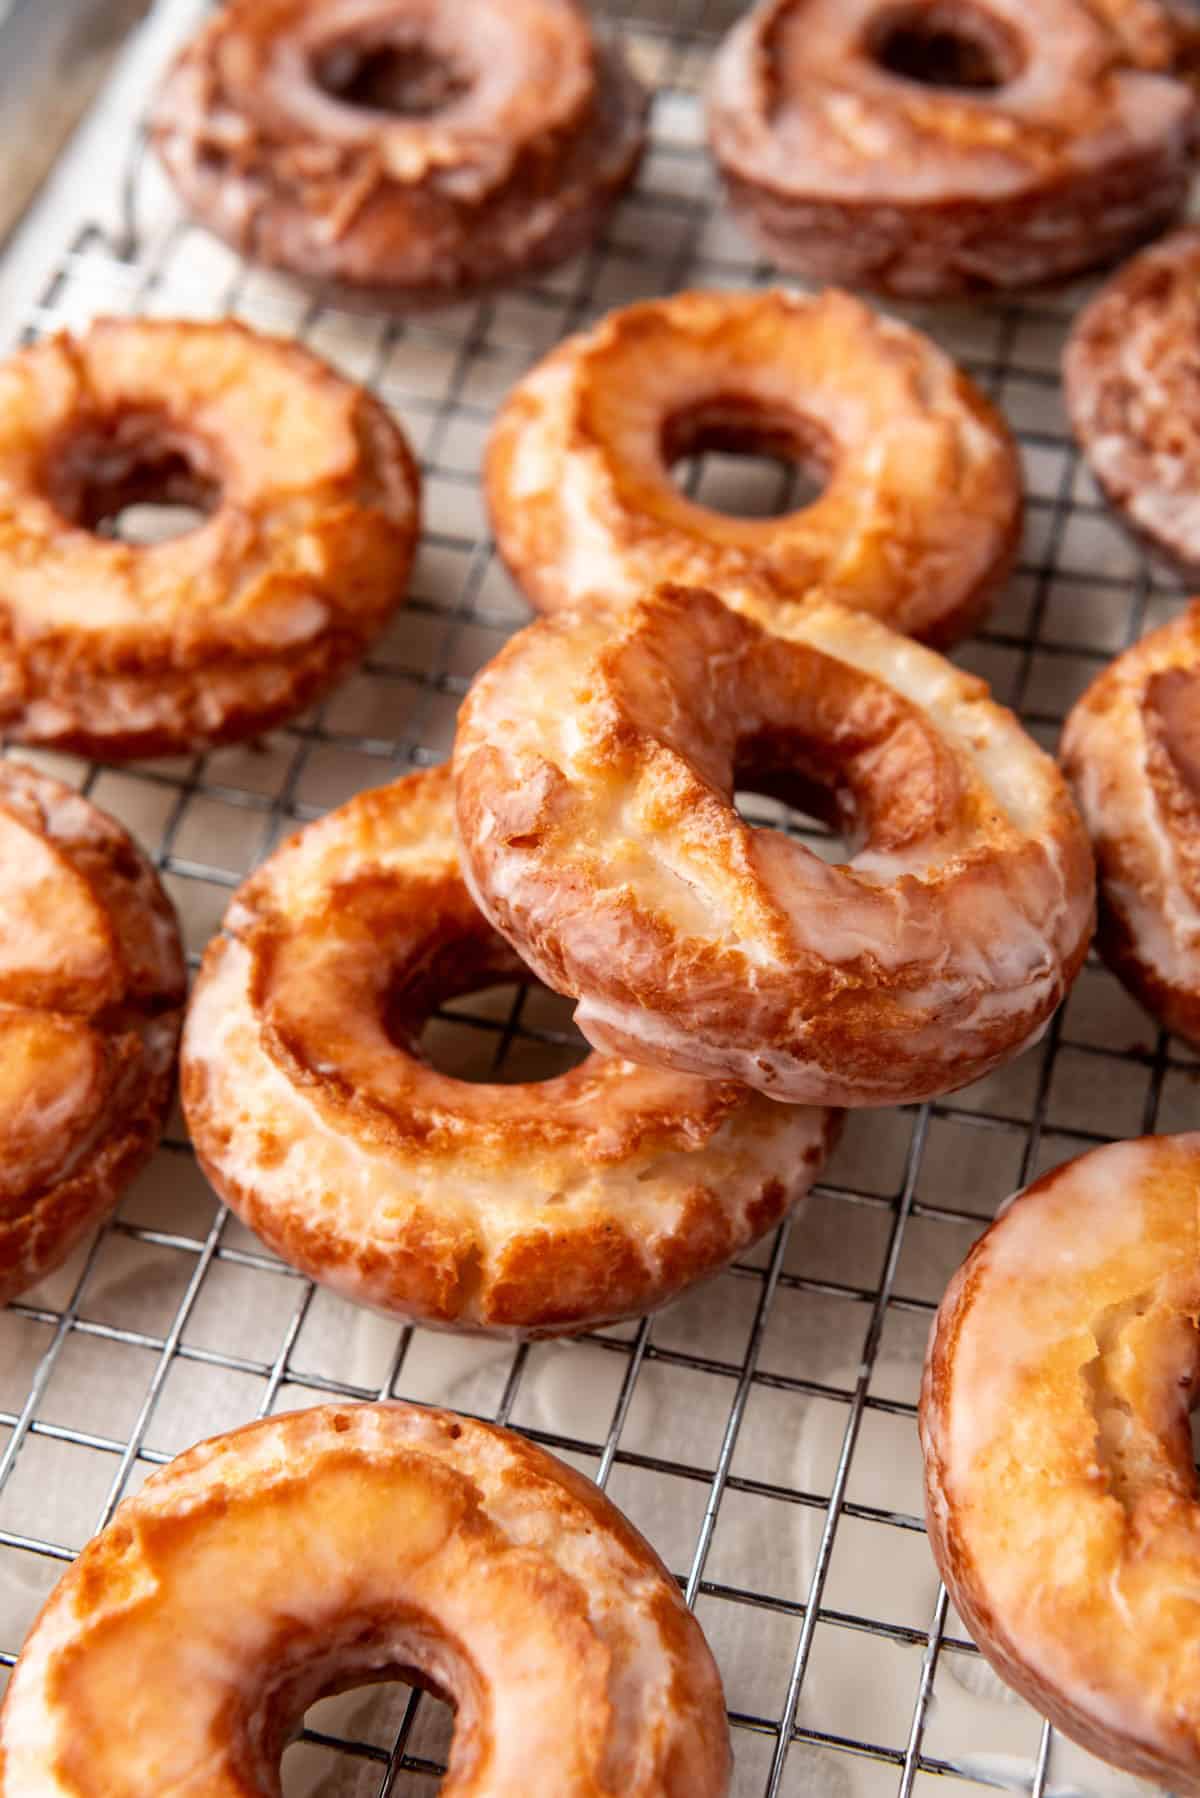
(595, 765)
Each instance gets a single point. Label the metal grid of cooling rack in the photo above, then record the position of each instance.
(761, 1432)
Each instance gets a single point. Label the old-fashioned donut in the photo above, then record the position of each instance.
(410, 151)
(1060, 1483)
(117, 648)
(540, 1208)
(346, 1545)
(91, 995)
(926, 147)
(595, 765)
(1131, 751)
(1129, 374)
(920, 511)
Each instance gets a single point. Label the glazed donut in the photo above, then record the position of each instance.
(410, 151)
(119, 649)
(92, 985)
(1131, 751)
(926, 147)
(920, 514)
(1129, 374)
(522, 1209)
(595, 766)
(1060, 1485)
(346, 1545)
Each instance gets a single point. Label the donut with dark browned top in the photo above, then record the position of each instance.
(410, 152)
(937, 147)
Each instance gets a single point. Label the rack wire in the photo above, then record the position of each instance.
(761, 1431)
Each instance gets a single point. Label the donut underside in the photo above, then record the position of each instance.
(527, 227)
(961, 245)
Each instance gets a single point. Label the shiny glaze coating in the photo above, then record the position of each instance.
(1063, 136)
(542, 1208)
(1131, 750)
(119, 649)
(920, 509)
(91, 994)
(595, 764)
(510, 129)
(345, 1545)
(1060, 1486)
(1130, 379)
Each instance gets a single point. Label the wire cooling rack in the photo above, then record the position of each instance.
(761, 1432)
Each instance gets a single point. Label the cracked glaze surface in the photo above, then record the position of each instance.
(1131, 375)
(119, 649)
(540, 1208)
(920, 509)
(501, 155)
(595, 764)
(1131, 750)
(1061, 1491)
(344, 1545)
(848, 171)
(91, 992)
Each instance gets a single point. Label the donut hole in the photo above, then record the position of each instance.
(318, 1763)
(819, 816)
(411, 80)
(508, 1034)
(956, 45)
(739, 457)
(135, 477)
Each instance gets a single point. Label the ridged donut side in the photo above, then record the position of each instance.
(128, 1026)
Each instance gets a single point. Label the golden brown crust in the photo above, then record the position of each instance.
(348, 1544)
(1058, 135)
(120, 649)
(1130, 379)
(1060, 1486)
(513, 130)
(595, 763)
(920, 510)
(91, 994)
(1129, 751)
(536, 1209)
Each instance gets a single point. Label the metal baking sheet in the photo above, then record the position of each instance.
(761, 1432)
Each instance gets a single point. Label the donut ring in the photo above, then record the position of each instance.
(926, 147)
(594, 769)
(345, 1545)
(1060, 1485)
(1131, 751)
(92, 984)
(920, 515)
(412, 151)
(534, 1209)
(119, 649)
(1129, 377)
